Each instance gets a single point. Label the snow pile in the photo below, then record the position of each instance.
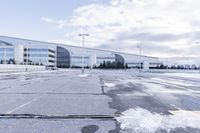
(109, 85)
(83, 75)
(140, 120)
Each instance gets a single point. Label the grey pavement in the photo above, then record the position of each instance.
(55, 126)
(54, 94)
(69, 103)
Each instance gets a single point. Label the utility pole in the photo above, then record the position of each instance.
(140, 51)
(83, 42)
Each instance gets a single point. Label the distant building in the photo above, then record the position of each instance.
(187, 66)
(30, 52)
(194, 66)
(26, 54)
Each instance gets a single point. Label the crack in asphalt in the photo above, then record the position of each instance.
(35, 116)
(117, 114)
(25, 84)
(50, 93)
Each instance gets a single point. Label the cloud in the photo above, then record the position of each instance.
(48, 20)
(151, 37)
(59, 23)
(165, 27)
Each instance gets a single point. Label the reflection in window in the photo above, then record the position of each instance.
(63, 57)
(7, 56)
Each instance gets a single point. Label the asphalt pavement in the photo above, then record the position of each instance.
(66, 102)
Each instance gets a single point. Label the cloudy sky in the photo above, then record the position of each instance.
(165, 28)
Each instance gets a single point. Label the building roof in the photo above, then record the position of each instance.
(2, 43)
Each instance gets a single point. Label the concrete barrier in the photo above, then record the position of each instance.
(20, 68)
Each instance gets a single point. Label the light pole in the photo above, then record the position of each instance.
(83, 35)
(27, 58)
(140, 51)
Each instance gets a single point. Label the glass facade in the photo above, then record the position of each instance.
(101, 59)
(119, 59)
(133, 64)
(63, 57)
(105, 58)
(7, 56)
(38, 56)
(76, 61)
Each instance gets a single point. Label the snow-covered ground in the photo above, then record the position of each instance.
(20, 68)
(156, 102)
(83, 75)
(140, 120)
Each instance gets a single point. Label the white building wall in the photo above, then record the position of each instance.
(19, 54)
(93, 60)
(146, 65)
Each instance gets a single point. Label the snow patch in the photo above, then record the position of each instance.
(140, 120)
(109, 85)
(83, 75)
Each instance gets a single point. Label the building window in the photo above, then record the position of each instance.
(63, 57)
(7, 56)
(38, 56)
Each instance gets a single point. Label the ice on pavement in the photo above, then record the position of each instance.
(185, 75)
(158, 85)
(156, 88)
(140, 120)
(175, 82)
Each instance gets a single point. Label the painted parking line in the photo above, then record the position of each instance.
(21, 106)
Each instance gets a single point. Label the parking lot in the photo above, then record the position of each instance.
(99, 102)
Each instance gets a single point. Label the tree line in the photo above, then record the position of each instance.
(173, 67)
(112, 65)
